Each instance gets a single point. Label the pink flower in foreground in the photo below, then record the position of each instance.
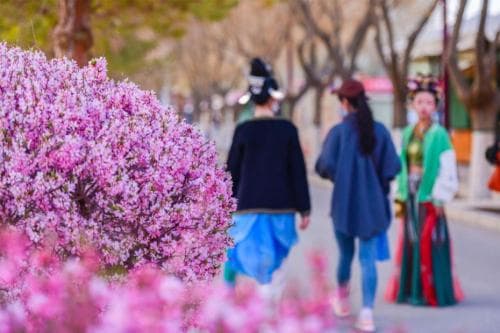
(75, 296)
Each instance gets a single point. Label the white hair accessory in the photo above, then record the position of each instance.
(244, 99)
(276, 94)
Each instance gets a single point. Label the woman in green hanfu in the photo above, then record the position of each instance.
(428, 180)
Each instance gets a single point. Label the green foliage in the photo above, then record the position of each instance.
(124, 31)
(28, 23)
(212, 10)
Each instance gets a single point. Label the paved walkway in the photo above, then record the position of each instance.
(477, 261)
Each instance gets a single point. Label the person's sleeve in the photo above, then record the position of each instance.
(234, 160)
(446, 184)
(391, 162)
(299, 176)
(327, 161)
(401, 180)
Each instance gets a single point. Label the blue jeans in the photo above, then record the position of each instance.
(367, 259)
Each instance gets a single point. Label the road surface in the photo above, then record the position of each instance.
(477, 263)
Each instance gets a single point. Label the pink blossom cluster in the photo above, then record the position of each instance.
(247, 310)
(39, 293)
(49, 295)
(87, 160)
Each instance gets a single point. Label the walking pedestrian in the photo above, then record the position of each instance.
(269, 180)
(493, 157)
(427, 181)
(359, 157)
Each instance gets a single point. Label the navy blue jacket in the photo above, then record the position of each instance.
(267, 167)
(360, 204)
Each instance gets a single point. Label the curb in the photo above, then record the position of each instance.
(462, 213)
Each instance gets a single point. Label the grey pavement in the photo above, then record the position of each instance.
(477, 263)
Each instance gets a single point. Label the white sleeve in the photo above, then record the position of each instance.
(446, 185)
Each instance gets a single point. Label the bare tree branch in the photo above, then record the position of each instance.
(389, 28)
(413, 37)
(309, 20)
(308, 70)
(492, 54)
(241, 47)
(397, 64)
(393, 65)
(359, 35)
(337, 17)
(294, 98)
(480, 48)
(333, 47)
(456, 75)
(326, 8)
(380, 47)
(253, 35)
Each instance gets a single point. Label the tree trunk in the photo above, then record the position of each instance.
(318, 106)
(399, 109)
(485, 119)
(483, 122)
(73, 35)
(289, 108)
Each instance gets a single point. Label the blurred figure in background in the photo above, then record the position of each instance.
(428, 180)
(493, 156)
(269, 180)
(359, 157)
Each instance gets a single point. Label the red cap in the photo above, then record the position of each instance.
(349, 88)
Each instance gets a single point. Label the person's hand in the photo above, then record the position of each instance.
(399, 209)
(304, 222)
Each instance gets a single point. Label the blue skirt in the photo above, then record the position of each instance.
(262, 241)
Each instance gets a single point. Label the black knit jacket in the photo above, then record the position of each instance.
(267, 167)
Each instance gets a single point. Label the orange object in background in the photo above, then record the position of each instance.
(494, 183)
(462, 142)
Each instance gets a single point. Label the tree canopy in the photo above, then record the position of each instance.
(124, 31)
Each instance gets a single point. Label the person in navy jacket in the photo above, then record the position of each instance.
(359, 157)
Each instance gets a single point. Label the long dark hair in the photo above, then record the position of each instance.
(364, 121)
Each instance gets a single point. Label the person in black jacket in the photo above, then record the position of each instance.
(493, 151)
(269, 182)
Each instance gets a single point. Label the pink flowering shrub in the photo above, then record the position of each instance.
(49, 295)
(87, 160)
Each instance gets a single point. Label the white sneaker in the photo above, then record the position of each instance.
(340, 302)
(365, 321)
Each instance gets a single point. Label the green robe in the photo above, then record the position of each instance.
(411, 287)
(436, 141)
